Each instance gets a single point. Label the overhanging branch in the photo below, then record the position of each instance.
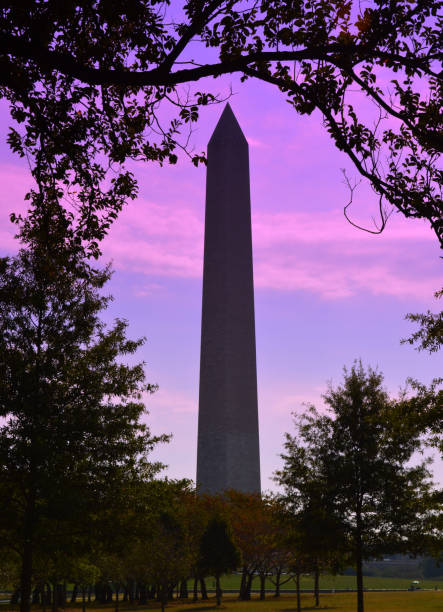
(162, 75)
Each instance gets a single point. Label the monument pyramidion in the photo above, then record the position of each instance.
(228, 439)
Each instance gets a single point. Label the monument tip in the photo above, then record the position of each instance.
(227, 128)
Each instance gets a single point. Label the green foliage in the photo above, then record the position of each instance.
(419, 410)
(71, 438)
(9, 569)
(430, 335)
(93, 85)
(153, 544)
(218, 553)
(358, 457)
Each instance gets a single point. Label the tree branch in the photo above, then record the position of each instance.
(435, 140)
(340, 139)
(162, 75)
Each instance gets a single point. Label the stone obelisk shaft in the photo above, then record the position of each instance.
(228, 440)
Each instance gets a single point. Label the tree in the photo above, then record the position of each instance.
(154, 547)
(423, 410)
(218, 553)
(284, 550)
(420, 409)
(253, 534)
(429, 337)
(317, 533)
(71, 439)
(274, 538)
(169, 558)
(88, 85)
(361, 454)
(9, 569)
(84, 574)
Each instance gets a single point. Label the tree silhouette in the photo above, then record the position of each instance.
(71, 435)
(218, 553)
(89, 86)
(360, 453)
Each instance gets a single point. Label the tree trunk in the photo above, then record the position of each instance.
(203, 590)
(317, 585)
(117, 591)
(26, 572)
(47, 593)
(131, 588)
(297, 586)
(171, 588)
(163, 593)
(359, 568)
(184, 589)
(195, 597)
(277, 583)
(249, 586)
(218, 591)
(143, 595)
(242, 592)
(83, 598)
(262, 586)
(74, 593)
(61, 600)
(245, 586)
(54, 597)
(36, 595)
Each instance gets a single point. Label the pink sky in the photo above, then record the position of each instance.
(326, 293)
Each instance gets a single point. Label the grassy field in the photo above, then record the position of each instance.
(336, 582)
(337, 602)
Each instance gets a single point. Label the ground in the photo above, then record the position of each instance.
(425, 601)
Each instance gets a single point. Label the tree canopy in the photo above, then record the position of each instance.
(218, 553)
(429, 336)
(92, 84)
(359, 455)
(71, 438)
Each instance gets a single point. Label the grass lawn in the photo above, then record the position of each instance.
(337, 602)
(334, 582)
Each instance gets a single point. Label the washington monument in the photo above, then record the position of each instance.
(228, 442)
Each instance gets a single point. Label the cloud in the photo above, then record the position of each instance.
(293, 251)
(286, 401)
(273, 228)
(313, 251)
(171, 402)
(147, 289)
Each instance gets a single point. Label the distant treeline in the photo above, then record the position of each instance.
(401, 566)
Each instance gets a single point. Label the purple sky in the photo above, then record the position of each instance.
(325, 292)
